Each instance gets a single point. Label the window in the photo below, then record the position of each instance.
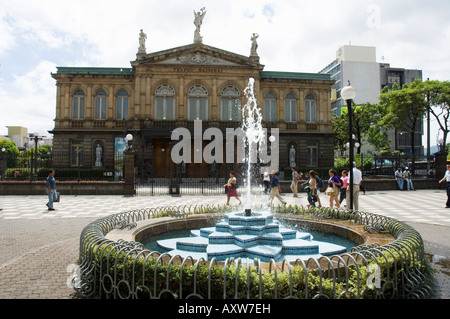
(197, 103)
(310, 108)
(291, 109)
(230, 104)
(76, 153)
(270, 107)
(122, 105)
(165, 103)
(311, 155)
(100, 105)
(78, 105)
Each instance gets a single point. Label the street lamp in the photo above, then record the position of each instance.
(129, 138)
(35, 141)
(348, 93)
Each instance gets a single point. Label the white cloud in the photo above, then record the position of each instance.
(294, 35)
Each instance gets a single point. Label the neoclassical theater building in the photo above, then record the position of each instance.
(97, 107)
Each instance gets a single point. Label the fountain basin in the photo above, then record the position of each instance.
(286, 243)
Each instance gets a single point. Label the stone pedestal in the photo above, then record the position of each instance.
(440, 164)
(129, 174)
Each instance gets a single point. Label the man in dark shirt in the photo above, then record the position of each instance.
(51, 189)
(275, 188)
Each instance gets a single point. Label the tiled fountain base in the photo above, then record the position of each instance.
(255, 236)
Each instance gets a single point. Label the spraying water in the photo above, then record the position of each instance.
(253, 134)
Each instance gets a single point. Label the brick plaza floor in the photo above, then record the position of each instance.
(39, 247)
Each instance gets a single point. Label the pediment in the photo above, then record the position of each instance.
(196, 55)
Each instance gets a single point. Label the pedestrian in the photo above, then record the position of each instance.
(51, 189)
(334, 183)
(294, 183)
(447, 178)
(313, 190)
(357, 180)
(407, 177)
(399, 178)
(232, 188)
(343, 192)
(266, 181)
(275, 188)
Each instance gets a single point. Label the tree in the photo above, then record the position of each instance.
(438, 98)
(340, 125)
(11, 151)
(366, 123)
(405, 108)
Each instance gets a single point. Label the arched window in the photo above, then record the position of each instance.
(270, 103)
(122, 105)
(291, 108)
(230, 104)
(100, 105)
(310, 108)
(78, 105)
(165, 103)
(197, 103)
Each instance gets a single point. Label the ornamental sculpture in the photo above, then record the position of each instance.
(198, 19)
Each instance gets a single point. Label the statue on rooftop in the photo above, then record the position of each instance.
(198, 19)
(142, 38)
(254, 44)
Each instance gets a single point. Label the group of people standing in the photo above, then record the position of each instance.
(403, 177)
(337, 187)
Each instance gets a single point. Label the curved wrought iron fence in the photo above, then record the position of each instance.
(120, 269)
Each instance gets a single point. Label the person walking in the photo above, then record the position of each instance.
(313, 190)
(51, 189)
(357, 180)
(275, 189)
(266, 182)
(232, 186)
(447, 178)
(343, 192)
(407, 177)
(334, 183)
(294, 183)
(399, 178)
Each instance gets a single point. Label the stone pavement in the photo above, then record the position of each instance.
(39, 248)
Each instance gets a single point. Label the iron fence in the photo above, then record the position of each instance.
(26, 166)
(121, 269)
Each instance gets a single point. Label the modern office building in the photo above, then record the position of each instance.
(358, 64)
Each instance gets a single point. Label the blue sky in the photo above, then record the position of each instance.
(294, 35)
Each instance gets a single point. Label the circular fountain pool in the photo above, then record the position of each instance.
(240, 236)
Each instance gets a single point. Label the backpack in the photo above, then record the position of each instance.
(319, 182)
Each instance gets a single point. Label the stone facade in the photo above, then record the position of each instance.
(169, 89)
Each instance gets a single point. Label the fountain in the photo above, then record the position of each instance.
(249, 234)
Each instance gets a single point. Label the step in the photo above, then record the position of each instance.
(246, 241)
(265, 252)
(222, 252)
(220, 238)
(194, 244)
(329, 249)
(300, 247)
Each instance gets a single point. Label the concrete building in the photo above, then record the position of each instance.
(161, 91)
(358, 64)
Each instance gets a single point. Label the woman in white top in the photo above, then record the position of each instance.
(447, 178)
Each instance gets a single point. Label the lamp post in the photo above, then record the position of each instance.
(35, 141)
(129, 138)
(348, 93)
